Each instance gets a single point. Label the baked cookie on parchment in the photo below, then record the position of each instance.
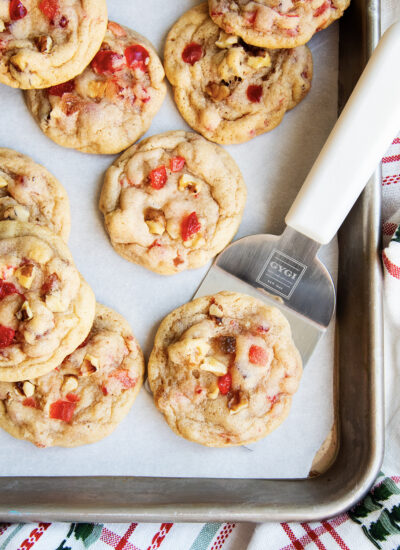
(46, 42)
(29, 193)
(223, 369)
(227, 90)
(46, 307)
(111, 104)
(172, 202)
(86, 397)
(276, 23)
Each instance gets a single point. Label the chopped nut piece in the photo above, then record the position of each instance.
(40, 254)
(3, 181)
(225, 40)
(70, 384)
(218, 92)
(232, 65)
(97, 89)
(19, 61)
(237, 407)
(190, 183)
(210, 364)
(155, 228)
(28, 388)
(258, 62)
(16, 212)
(89, 365)
(215, 310)
(213, 392)
(25, 313)
(25, 275)
(196, 242)
(2, 25)
(44, 43)
(173, 229)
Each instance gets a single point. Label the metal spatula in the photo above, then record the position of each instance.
(284, 271)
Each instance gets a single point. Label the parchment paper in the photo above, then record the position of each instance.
(274, 166)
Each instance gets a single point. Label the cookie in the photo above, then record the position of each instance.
(224, 88)
(46, 308)
(223, 369)
(86, 397)
(29, 193)
(273, 23)
(172, 202)
(111, 104)
(46, 42)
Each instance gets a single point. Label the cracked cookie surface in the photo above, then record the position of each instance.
(223, 369)
(172, 202)
(111, 104)
(29, 193)
(227, 90)
(83, 399)
(46, 307)
(46, 42)
(276, 23)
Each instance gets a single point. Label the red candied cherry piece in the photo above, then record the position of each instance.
(30, 402)
(190, 225)
(258, 355)
(17, 10)
(6, 289)
(104, 389)
(322, 9)
(254, 93)
(72, 397)
(262, 329)
(251, 17)
(192, 53)
(49, 8)
(61, 89)
(158, 177)
(6, 336)
(62, 410)
(137, 57)
(107, 61)
(225, 383)
(176, 164)
(122, 375)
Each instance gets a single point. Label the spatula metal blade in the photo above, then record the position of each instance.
(305, 295)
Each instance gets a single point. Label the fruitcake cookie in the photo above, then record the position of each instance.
(46, 308)
(223, 369)
(227, 90)
(46, 42)
(86, 397)
(29, 193)
(172, 202)
(276, 23)
(111, 104)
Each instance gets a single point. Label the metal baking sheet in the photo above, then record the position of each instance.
(360, 406)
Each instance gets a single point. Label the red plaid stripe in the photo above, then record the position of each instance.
(4, 527)
(115, 541)
(313, 535)
(389, 228)
(389, 180)
(390, 158)
(160, 536)
(223, 536)
(34, 536)
(397, 140)
(393, 269)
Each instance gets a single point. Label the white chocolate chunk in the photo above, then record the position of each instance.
(213, 392)
(186, 181)
(16, 212)
(155, 228)
(89, 365)
(215, 310)
(191, 349)
(40, 253)
(70, 384)
(225, 40)
(210, 364)
(25, 313)
(243, 404)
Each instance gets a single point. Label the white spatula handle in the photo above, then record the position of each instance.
(359, 139)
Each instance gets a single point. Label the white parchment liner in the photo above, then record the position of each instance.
(274, 166)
